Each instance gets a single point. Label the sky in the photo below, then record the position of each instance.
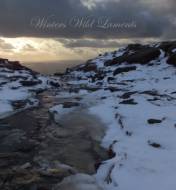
(66, 30)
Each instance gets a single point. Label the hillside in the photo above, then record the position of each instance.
(130, 93)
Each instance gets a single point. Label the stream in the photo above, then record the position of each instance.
(36, 153)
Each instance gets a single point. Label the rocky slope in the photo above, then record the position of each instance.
(129, 93)
(133, 92)
(18, 85)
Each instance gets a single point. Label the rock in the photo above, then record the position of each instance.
(98, 76)
(112, 89)
(130, 101)
(89, 67)
(168, 46)
(127, 95)
(30, 83)
(55, 84)
(172, 59)
(154, 144)
(154, 121)
(103, 97)
(111, 153)
(70, 104)
(128, 133)
(19, 104)
(124, 70)
(151, 93)
(109, 79)
(141, 56)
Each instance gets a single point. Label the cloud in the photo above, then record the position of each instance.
(92, 43)
(150, 18)
(28, 48)
(6, 47)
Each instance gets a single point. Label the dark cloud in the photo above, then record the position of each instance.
(16, 17)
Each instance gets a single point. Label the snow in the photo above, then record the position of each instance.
(174, 50)
(137, 164)
(79, 182)
(11, 89)
(59, 111)
(5, 108)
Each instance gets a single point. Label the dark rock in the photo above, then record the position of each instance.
(154, 121)
(154, 144)
(128, 133)
(103, 97)
(143, 56)
(151, 93)
(88, 67)
(19, 104)
(153, 100)
(124, 70)
(168, 46)
(111, 153)
(135, 47)
(58, 74)
(112, 89)
(109, 79)
(130, 101)
(172, 59)
(127, 95)
(91, 89)
(55, 84)
(97, 164)
(70, 104)
(98, 76)
(30, 83)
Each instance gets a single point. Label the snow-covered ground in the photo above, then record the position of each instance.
(138, 108)
(16, 92)
(136, 102)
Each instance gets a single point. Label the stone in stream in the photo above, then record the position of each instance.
(19, 104)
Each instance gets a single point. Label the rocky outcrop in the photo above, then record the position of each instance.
(136, 54)
(12, 65)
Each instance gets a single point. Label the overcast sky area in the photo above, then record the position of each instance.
(56, 30)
